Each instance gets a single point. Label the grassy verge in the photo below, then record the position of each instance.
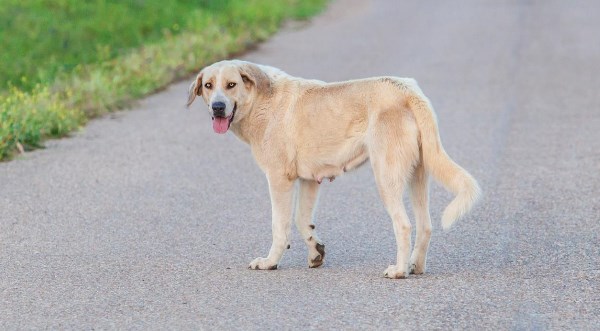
(52, 91)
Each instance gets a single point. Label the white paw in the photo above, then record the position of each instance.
(394, 272)
(262, 263)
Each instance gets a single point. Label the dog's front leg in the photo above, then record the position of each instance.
(282, 193)
(307, 198)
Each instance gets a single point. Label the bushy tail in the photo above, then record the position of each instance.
(454, 178)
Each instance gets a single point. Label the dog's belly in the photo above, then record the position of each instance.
(321, 167)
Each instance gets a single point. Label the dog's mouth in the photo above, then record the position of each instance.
(221, 124)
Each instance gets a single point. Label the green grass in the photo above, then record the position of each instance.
(27, 118)
(65, 61)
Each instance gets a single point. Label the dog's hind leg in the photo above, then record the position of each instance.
(282, 193)
(394, 151)
(307, 199)
(419, 196)
(391, 186)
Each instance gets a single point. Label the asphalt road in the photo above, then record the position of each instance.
(146, 219)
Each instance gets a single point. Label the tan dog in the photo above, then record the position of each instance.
(307, 130)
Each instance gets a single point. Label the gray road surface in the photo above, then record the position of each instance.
(147, 219)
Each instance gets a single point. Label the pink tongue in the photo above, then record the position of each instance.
(221, 124)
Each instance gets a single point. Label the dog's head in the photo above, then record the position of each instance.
(229, 88)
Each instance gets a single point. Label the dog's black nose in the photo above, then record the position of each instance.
(218, 109)
(218, 106)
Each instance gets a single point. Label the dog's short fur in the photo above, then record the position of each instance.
(307, 130)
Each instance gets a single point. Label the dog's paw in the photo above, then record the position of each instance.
(394, 272)
(416, 269)
(317, 259)
(262, 263)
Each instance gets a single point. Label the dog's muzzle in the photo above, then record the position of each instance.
(221, 122)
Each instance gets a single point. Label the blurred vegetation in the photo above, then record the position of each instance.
(64, 61)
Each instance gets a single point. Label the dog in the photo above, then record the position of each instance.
(307, 131)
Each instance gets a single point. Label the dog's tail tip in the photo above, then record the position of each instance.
(461, 205)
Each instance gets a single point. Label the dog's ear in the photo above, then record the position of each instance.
(195, 89)
(253, 75)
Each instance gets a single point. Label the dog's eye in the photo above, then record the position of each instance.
(231, 85)
(208, 85)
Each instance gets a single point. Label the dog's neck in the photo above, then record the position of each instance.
(250, 129)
